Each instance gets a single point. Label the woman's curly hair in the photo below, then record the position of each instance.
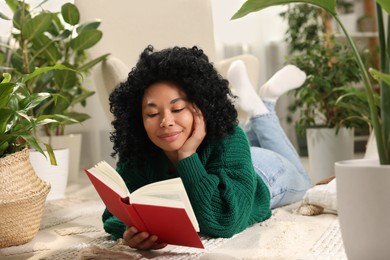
(190, 69)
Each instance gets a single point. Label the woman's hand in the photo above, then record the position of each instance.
(197, 136)
(141, 240)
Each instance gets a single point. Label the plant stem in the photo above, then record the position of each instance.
(370, 96)
(384, 87)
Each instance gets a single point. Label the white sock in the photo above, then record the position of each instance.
(287, 78)
(248, 100)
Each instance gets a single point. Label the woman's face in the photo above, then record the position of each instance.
(167, 116)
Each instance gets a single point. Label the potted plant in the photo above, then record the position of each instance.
(363, 223)
(22, 192)
(327, 113)
(43, 38)
(326, 121)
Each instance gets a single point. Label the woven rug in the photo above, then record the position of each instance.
(72, 229)
(63, 220)
(329, 246)
(276, 238)
(104, 248)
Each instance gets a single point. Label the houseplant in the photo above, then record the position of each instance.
(22, 192)
(324, 122)
(363, 223)
(380, 121)
(328, 121)
(43, 38)
(331, 72)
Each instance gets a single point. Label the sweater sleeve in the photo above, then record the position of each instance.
(225, 192)
(113, 225)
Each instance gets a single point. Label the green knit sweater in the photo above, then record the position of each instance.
(226, 194)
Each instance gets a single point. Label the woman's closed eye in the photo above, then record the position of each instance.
(177, 110)
(151, 114)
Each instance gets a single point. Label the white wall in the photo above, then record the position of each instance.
(255, 31)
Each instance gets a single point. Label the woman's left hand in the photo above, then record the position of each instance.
(197, 136)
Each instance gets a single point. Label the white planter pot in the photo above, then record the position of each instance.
(363, 197)
(56, 175)
(325, 147)
(73, 143)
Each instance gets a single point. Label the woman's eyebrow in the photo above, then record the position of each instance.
(173, 101)
(177, 100)
(150, 105)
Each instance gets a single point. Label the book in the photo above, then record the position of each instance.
(160, 208)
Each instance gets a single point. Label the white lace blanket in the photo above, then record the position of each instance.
(72, 229)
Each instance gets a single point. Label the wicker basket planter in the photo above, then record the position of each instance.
(22, 199)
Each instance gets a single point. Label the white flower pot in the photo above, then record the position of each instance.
(73, 143)
(363, 197)
(56, 175)
(325, 147)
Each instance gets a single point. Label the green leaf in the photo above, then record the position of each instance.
(5, 91)
(385, 5)
(70, 13)
(256, 5)
(6, 114)
(4, 17)
(37, 25)
(65, 34)
(88, 26)
(20, 16)
(6, 78)
(34, 100)
(65, 79)
(82, 97)
(45, 45)
(31, 140)
(77, 117)
(61, 103)
(86, 39)
(50, 152)
(58, 118)
(377, 75)
(16, 61)
(90, 64)
(12, 4)
(46, 121)
(3, 146)
(43, 70)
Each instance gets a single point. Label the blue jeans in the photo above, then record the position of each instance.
(275, 159)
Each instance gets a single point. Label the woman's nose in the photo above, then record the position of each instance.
(168, 120)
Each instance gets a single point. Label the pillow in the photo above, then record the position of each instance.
(318, 199)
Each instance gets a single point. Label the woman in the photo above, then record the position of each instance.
(175, 117)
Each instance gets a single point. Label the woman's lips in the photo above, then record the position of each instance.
(170, 137)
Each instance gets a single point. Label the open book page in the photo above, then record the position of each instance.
(170, 193)
(108, 175)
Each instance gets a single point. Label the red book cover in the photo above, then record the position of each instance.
(171, 225)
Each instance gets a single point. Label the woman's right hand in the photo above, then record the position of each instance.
(197, 135)
(141, 240)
